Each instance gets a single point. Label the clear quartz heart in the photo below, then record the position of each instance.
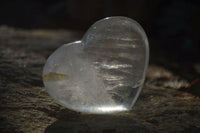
(102, 73)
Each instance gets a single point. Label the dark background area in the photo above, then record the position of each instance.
(173, 26)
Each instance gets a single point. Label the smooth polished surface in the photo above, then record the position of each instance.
(102, 73)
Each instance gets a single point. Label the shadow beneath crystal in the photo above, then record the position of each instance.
(73, 122)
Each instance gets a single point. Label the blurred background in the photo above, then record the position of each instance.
(173, 26)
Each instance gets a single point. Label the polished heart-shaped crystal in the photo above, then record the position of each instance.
(102, 73)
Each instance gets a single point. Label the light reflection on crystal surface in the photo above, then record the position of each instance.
(103, 72)
(111, 109)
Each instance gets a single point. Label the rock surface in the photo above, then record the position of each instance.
(25, 105)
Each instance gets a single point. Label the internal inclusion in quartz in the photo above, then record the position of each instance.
(102, 73)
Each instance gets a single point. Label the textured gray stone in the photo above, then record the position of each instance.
(25, 105)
